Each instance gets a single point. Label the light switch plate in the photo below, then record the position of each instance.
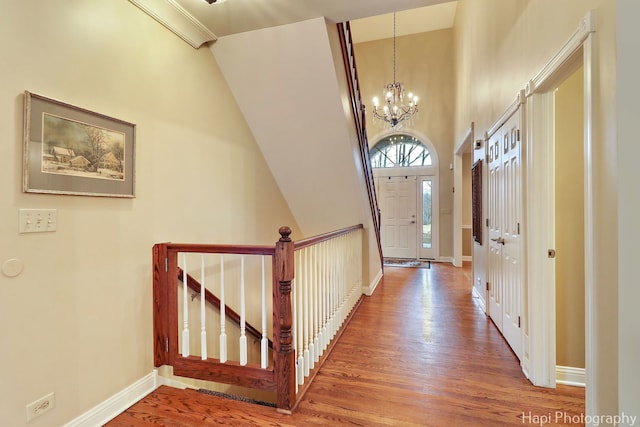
(38, 220)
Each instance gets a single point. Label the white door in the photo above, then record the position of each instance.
(512, 273)
(494, 271)
(505, 239)
(398, 216)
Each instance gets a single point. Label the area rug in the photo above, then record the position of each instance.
(233, 397)
(400, 262)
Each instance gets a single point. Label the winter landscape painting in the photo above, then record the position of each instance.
(79, 149)
(71, 150)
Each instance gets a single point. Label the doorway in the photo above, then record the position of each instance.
(569, 229)
(405, 171)
(540, 329)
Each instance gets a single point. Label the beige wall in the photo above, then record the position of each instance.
(500, 45)
(77, 321)
(569, 224)
(424, 63)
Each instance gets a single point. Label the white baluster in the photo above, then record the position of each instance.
(336, 295)
(294, 322)
(325, 294)
(203, 325)
(310, 271)
(243, 337)
(306, 312)
(264, 341)
(343, 281)
(300, 328)
(223, 319)
(316, 301)
(185, 309)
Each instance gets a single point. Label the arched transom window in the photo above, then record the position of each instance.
(399, 150)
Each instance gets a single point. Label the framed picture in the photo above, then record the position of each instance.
(70, 150)
(476, 201)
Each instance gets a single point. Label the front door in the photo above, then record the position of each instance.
(397, 197)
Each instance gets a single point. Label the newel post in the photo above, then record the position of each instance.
(284, 357)
(160, 306)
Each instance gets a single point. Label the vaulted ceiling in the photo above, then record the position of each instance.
(198, 22)
(236, 16)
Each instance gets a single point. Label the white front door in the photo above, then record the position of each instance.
(505, 274)
(398, 196)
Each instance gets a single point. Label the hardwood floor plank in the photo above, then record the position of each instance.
(419, 352)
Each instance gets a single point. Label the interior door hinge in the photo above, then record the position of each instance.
(518, 321)
(518, 228)
(487, 285)
(166, 344)
(487, 221)
(166, 265)
(518, 135)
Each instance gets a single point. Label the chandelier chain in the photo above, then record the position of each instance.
(394, 47)
(395, 111)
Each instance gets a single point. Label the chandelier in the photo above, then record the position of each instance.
(395, 111)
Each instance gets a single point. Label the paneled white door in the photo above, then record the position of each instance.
(495, 212)
(397, 197)
(505, 273)
(512, 274)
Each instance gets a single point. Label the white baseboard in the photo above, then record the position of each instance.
(570, 376)
(368, 290)
(467, 258)
(170, 382)
(446, 259)
(116, 404)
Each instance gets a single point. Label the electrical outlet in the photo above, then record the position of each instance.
(40, 406)
(37, 220)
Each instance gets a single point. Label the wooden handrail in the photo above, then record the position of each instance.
(359, 114)
(195, 286)
(221, 249)
(301, 244)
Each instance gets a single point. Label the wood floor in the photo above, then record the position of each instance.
(419, 352)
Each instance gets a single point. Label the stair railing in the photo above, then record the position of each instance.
(315, 285)
(359, 114)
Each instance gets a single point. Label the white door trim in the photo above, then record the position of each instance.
(465, 144)
(541, 298)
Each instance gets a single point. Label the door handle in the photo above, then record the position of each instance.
(498, 240)
(412, 222)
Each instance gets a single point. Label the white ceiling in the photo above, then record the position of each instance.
(421, 20)
(237, 16)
